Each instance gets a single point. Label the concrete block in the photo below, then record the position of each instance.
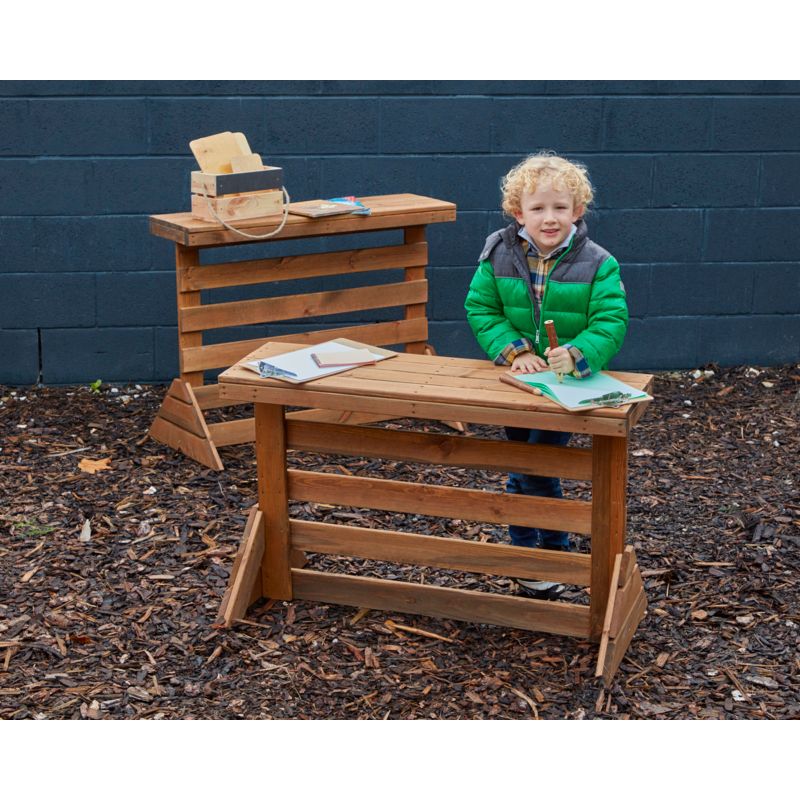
(165, 356)
(34, 187)
(320, 125)
(776, 289)
(435, 125)
(16, 238)
(757, 340)
(176, 121)
(454, 339)
(15, 124)
(432, 87)
(82, 126)
(674, 87)
(636, 124)
(700, 289)
(752, 235)
(620, 181)
(448, 290)
(138, 185)
(459, 243)
(756, 123)
(637, 279)
(111, 354)
(780, 180)
(19, 364)
(656, 343)
(650, 235)
(527, 125)
(705, 180)
(47, 301)
(136, 299)
(88, 244)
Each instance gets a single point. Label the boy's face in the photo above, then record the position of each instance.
(547, 215)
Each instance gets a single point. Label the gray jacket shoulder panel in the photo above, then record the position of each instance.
(492, 241)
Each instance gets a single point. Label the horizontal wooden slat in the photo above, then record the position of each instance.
(436, 601)
(434, 551)
(243, 273)
(209, 397)
(235, 431)
(391, 407)
(441, 501)
(214, 356)
(430, 448)
(301, 306)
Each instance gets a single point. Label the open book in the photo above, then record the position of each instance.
(299, 366)
(577, 394)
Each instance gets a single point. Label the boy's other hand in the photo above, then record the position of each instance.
(560, 360)
(529, 362)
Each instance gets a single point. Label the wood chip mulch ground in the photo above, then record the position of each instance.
(115, 553)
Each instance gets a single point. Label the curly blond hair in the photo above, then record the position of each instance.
(545, 169)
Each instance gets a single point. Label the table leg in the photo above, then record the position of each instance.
(415, 235)
(609, 512)
(273, 500)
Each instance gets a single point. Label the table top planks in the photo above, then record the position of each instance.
(388, 211)
(433, 387)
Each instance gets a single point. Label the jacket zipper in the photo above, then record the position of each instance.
(537, 323)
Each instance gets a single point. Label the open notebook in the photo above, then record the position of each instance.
(299, 366)
(577, 394)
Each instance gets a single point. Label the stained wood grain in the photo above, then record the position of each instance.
(273, 500)
(436, 601)
(449, 450)
(317, 265)
(410, 548)
(444, 501)
(312, 304)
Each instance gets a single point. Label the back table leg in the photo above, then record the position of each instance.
(609, 513)
(273, 500)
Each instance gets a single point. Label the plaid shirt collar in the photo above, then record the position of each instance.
(534, 250)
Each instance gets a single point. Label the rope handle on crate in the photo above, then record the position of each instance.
(252, 235)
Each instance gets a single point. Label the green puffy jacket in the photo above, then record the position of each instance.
(583, 295)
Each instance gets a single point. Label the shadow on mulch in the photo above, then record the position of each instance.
(121, 625)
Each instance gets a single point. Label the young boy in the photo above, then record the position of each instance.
(544, 266)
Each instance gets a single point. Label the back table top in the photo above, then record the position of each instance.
(430, 387)
(388, 211)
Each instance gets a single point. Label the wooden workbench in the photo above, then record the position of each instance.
(181, 421)
(271, 558)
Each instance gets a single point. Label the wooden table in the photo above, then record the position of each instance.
(271, 559)
(181, 421)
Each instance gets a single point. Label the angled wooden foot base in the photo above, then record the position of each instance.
(627, 606)
(180, 424)
(244, 584)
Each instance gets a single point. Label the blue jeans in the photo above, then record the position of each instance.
(536, 486)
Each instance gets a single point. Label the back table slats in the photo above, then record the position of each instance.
(301, 306)
(288, 268)
(199, 313)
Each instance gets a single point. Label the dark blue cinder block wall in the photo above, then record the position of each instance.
(697, 183)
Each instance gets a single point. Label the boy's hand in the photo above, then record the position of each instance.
(560, 360)
(528, 362)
